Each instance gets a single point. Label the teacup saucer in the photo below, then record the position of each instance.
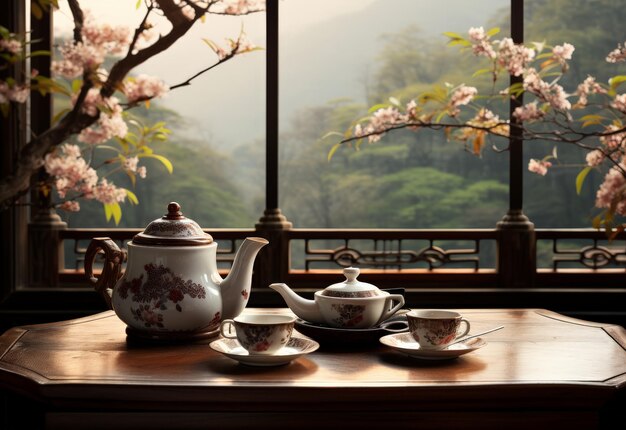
(404, 342)
(296, 347)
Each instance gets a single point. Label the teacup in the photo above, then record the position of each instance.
(435, 329)
(259, 333)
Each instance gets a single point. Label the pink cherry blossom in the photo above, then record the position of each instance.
(551, 93)
(70, 170)
(618, 55)
(613, 189)
(70, 206)
(144, 87)
(594, 158)
(564, 52)
(108, 193)
(611, 139)
(11, 45)
(480, 43)
(588, 86)
(462, 96)
(142, 171)
(514, 57)
(130, 164)
(98, 42)
(110, 122)
(528, 112)
(16, 92)
(240, 7)
(619, 103)
(539, 166)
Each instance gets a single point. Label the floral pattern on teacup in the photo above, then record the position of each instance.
(258, 338)
(349, 315)
(435, 332)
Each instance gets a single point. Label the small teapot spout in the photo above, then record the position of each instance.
(308, 310)
(235, 289)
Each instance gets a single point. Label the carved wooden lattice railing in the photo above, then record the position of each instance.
(402, 257)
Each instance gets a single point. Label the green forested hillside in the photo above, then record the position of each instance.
(407, 180)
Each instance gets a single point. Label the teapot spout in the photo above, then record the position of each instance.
(235, 289)
(308, 310)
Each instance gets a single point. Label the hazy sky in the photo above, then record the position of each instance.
(209, 99)
(301, 13)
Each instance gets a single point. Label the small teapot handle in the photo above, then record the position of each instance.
(397, 300)
(112, 269)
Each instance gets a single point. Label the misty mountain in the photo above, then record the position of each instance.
(321, 62)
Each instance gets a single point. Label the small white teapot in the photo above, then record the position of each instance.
(349, 304)
(171, 288)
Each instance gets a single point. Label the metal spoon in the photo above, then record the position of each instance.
(475, 335)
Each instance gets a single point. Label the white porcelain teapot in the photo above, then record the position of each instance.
(349, 304)
(171, 288)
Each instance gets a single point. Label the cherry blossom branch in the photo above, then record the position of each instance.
(201, 72)
(79, 20)
(32, 154)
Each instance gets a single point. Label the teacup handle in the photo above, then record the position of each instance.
(467, 328)
(231, 324)
(399, 302)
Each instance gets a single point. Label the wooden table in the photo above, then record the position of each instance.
(543, 370)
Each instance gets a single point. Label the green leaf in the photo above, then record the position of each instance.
(167, 163)
(107, 211)
(76, 85)
(116, 210)
(615, 81)
(597, 222)
(452, 35)
(36, 10)
(40, 53)
(333, 150)
(394, 101)
(332, 133)
(132, 197)
(581, 178)
(138, 4)
(459, 42)
(591, 119)
(112, 148)
(539, 46)
(481, 72)
(132, 176)
(493, 31)
(378, 106)
(441, 115)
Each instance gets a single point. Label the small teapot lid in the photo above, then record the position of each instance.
(351, 287)
(173, 229)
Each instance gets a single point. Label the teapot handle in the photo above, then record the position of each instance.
(112, 269)
(397, 300)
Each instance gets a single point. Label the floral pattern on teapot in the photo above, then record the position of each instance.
(160, 289)
(349, 315)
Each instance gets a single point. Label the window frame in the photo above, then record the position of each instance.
(514, 286)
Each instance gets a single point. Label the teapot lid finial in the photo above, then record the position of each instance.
(173, 211)
(173, 229)
(351, 287)
(351, 273)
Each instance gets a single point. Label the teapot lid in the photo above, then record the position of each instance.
(173, 229)
(351, 287)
